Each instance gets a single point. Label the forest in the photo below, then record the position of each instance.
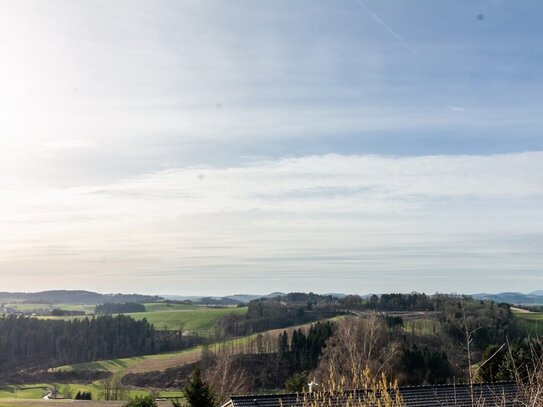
(33, 343)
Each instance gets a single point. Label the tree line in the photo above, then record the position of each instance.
(118, 308)
(35, 343)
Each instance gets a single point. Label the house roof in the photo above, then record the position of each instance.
(485, 395)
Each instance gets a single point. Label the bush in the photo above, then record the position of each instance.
(144, 401)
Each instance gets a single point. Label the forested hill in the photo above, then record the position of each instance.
(76, 297)
(513, 298)
(36, 343)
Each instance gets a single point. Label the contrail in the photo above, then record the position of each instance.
(388, 28)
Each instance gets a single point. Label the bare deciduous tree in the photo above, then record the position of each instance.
(224, 375)
(113, 389)
(357, 345)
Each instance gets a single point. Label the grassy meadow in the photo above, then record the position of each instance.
(533, 321)
(199, 320)
(122, 366)
(163, 315)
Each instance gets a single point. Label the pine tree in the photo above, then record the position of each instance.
(197, 392)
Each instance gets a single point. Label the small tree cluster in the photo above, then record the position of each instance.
(113, 389)
(83, 395)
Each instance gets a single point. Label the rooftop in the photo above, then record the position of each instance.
(484, 395)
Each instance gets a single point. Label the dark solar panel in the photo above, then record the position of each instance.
(483, 395)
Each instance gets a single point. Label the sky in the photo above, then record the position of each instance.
(220, 147)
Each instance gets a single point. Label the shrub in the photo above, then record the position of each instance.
(144, 401)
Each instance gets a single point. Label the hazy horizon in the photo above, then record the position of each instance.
(286, 291)
(248, 146)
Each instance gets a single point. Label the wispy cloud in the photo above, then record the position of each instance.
(457, 108)
(126, 133)
(352, 214)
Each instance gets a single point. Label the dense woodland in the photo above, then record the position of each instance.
(280, 312)
(35, 343)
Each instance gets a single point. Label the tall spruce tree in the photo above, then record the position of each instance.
(197, 392)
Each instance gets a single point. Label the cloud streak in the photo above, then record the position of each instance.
(387, 27)
(355, 215)
(266, 141)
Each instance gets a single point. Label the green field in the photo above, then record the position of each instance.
(119, 366)
(38, 390)
(22, 306)
(533, 321)
(168, 306)
(27, 391)
(423, 326)
(196, 319)
(164, 316)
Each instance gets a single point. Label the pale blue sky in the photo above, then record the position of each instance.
(213, 147)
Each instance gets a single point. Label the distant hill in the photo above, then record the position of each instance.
(193, 298)
(512, 297)
(245, 298)
(75, 297)
(226, 300)
(336, 295)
